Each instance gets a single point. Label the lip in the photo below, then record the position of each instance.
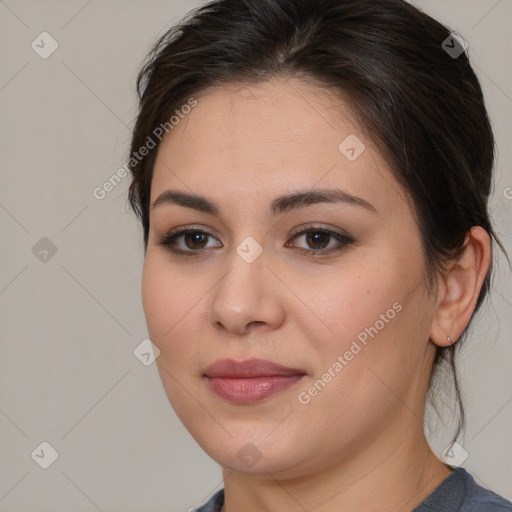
(250, 381)
(229, 368)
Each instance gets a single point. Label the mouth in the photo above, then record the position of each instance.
(250, 381)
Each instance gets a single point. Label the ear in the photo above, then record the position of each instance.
(459, 290)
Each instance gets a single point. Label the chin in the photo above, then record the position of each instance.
(246, 455)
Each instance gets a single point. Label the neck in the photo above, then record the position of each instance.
(397, 475)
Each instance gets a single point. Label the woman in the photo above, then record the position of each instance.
(312, 180)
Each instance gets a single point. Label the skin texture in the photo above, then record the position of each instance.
(358, 442)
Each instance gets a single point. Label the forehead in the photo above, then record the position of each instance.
(260, 140)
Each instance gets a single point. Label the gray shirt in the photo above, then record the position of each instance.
(457, 493)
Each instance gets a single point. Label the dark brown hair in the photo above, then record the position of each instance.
(422, 106)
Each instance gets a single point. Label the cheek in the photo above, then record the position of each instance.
(172, 301)
(155, 298)
(374, 355)
(376, 317)
(163, 299)
(349, 304)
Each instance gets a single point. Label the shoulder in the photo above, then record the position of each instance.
(214, 504)
(459, 492)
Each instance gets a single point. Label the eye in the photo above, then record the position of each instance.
(190, 242)
(186, 241)
(322, 241)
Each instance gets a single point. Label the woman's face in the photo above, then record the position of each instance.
(333, 289)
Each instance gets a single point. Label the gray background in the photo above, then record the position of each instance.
(70, 323)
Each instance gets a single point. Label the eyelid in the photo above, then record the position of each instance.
(188, 227)
(312, 225)
(343, 238)
(167, 240)
(343, 241)
(298, 231)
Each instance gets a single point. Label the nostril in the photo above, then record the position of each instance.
(255, 323)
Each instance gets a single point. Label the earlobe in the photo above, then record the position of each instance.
(459, 291)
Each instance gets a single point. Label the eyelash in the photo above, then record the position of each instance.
(168, 240)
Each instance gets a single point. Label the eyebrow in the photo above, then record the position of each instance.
(279, 205)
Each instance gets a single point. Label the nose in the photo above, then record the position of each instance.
(248, 297)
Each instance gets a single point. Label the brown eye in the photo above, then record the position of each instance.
(187, 241)
(195, 240)
(319, 241)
